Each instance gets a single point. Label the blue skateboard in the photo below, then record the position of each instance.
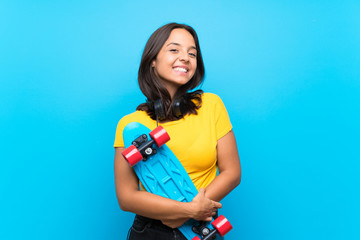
(161, 173)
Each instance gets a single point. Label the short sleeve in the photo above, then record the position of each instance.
(119, 141)
(222, 120)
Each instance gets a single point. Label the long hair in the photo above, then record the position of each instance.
(152, 87)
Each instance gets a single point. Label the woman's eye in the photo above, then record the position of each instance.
(173, 50)
(192, 54)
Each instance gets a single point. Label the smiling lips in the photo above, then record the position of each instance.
(181, 69)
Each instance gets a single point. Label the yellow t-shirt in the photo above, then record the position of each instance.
(193, 139)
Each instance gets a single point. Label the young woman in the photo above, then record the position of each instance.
(200, 130)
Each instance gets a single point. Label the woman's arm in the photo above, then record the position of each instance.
(154, 206)
(229, 168)
(229, 171)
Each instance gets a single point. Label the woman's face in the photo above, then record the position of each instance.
(175, 64)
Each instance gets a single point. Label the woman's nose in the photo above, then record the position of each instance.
(184, 56)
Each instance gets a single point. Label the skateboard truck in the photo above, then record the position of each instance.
(221, 226)
(141, 148)
(201, 229)
(144, 146)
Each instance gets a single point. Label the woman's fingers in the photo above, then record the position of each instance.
(202, 191)
(217, 204)
(209, 219)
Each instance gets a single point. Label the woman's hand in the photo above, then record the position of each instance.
(203, 208)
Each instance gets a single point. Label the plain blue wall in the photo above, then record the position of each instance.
(288, 72)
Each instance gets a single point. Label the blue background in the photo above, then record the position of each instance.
(287, 71)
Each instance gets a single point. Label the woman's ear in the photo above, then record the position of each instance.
(153, 64)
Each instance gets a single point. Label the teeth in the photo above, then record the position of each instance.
(180, 69)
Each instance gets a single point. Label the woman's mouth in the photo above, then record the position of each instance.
(181, 69)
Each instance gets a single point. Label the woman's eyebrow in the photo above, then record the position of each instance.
(178, 44)
(174, 43)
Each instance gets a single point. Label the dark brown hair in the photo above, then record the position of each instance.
(153, 89)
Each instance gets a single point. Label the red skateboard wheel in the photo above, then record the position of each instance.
(160, 136)
(132, 155)
(196, 238)
(222, 225)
